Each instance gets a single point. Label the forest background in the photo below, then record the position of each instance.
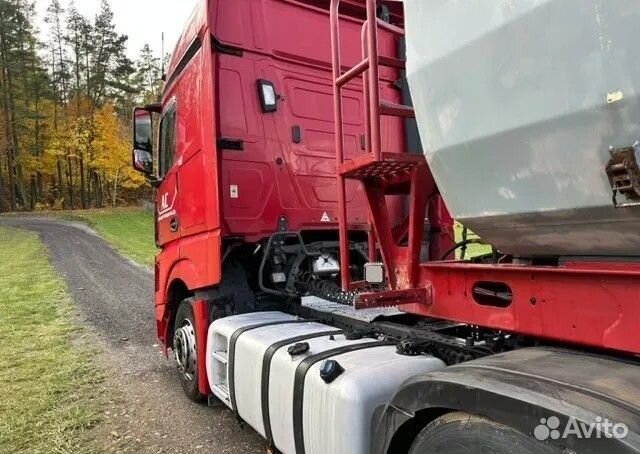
(65, 109)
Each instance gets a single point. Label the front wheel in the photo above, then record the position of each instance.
(185, 350)
(462, 433)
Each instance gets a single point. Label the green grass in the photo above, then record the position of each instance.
(473, 250)
(129, 230)
(49, 383)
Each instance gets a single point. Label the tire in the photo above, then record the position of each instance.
(462, 433)
(185, 348)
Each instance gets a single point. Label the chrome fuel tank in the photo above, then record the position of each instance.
(518, 103)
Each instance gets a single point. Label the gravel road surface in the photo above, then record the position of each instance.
(114, 297)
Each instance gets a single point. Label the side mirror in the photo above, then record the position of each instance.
(143, 141)
(143, 161)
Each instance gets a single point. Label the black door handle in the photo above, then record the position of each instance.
(173, 224)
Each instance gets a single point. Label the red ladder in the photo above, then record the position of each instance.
(381, 174)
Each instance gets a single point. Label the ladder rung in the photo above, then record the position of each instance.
(361, 67)
(353, 73)
(396, 110)
(392, 62)
(390, 28)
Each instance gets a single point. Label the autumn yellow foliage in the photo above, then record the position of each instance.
(113, 152)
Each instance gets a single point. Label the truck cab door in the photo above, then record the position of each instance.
(167, 200)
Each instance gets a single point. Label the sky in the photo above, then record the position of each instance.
(142, 20)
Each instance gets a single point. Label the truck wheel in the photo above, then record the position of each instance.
(185, 350)
(462, 433)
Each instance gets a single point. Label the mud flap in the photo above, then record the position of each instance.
(201, 315)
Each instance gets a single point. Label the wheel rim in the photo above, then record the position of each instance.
(184, 348)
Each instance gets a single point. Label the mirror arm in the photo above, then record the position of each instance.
(154, 181)
(155, 108)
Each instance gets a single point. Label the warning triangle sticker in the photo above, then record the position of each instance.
(325, 217)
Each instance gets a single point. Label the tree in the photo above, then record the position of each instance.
(113, 153)
(21, 79)
(149, 76)
(111, 66)
(8, 111)
(59, 60)
(78, 31)
(60, 78)
(77, 39)
(64, 119)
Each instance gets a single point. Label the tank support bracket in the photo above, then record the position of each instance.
(624, 175)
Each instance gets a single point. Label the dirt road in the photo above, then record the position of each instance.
(114, 298)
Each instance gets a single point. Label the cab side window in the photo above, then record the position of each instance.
(167, 148)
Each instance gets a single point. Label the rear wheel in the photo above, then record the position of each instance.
(185, 350)
(462, 433)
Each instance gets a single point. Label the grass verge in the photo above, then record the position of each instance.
(49, 383)
(129, 230)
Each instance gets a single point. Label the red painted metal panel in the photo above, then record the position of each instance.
(164, 264)
(193, 28)
(292, 30)
(167, 203)
(590, 304)
(274, 175)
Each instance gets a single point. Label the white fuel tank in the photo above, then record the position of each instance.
(283, 394)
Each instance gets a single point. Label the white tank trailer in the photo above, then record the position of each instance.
(529, 115)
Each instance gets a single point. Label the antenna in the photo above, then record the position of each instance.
(162, 57)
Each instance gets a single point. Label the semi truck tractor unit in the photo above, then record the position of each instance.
(310, 159)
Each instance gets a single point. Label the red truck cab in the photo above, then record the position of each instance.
(246, 138)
